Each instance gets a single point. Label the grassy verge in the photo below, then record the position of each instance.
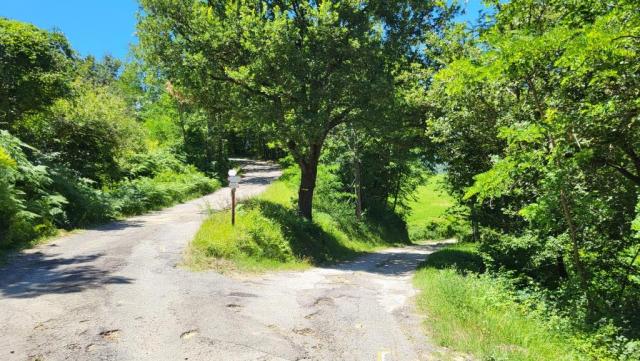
(431, 216)
(478, 314)
(270, 235)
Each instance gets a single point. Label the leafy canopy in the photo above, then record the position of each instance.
(34, 69)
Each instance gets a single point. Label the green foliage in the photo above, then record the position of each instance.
(87, 133)
(86, 205)
(40, 197)
(528, 255)
(90, 141)
(293, 70)
(480, 315)
(165, 188)
(269, 234)
(434, 214)
(30, 210)
(538, 122)
(151, 162)
(34, 69)
(160, 121)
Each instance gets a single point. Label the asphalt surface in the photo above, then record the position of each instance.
(117, 292)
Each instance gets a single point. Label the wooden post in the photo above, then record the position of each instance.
(233, 206)
(234, 180)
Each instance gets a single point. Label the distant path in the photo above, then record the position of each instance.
(115, 293)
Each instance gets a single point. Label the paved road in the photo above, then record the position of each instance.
(117, 293)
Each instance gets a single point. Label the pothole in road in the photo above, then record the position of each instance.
(242, 294)
(323, 301)
(311, 315)
(110, 335)
(303, 331)
(189, 334)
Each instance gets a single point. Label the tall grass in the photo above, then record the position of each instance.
(478, 314)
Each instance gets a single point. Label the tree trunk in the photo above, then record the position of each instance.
(309, 173)
(209, 145)
(396, 193)
(358, 188)
(475, 227)
(575, 248)
(183, 127)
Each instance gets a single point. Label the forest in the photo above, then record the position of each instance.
(530, 118)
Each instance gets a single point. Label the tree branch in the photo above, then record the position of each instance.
(632, 177)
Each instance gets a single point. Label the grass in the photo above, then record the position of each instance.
(430, 216)
(430, 204)
(477, 314)
(269, 235)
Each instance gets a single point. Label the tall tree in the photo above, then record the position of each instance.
(34, 69)
(545, 114)
(297, 69)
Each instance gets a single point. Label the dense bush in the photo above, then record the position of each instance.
(84, 141)
(88, 133)
(527, 255)
(29, 209)
(165, 188)
(39, 197)
(86, 204)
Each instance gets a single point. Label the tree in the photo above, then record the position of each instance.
(87, 133)
(297, 69)
(34, 69)
(545, 113)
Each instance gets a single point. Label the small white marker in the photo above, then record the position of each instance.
(382, 355)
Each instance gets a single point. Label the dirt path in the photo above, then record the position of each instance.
(115, 293)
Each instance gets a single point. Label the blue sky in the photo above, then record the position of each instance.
(96, 27)
(100, 27)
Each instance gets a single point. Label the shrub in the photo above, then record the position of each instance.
(527, 254)
(148, 164)
(37, 198)
(138, 195)
(86, 205)
(29, 210)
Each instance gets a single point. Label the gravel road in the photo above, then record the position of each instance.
(117, 293)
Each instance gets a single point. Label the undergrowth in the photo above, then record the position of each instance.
(40, 196)
(489, 316)
(269, 234)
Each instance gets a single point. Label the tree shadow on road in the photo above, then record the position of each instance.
(30, 275)
(399, 263)
(463, 259)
